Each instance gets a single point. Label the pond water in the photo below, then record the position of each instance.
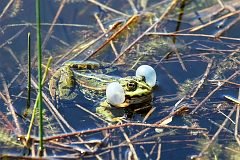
(194, 50)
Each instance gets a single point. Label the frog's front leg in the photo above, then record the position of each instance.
(62, 84)
(106, 111)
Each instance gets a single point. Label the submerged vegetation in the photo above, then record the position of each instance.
(192, 112)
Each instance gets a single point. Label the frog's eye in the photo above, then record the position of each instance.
(148, 73)
(132, 86)
(115, 93)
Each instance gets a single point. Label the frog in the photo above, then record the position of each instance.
(88, 78)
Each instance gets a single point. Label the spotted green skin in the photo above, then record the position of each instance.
(87, 78)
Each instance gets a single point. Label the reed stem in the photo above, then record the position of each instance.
(29, 72)
(38, 21)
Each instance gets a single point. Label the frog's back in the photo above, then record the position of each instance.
(90, 78)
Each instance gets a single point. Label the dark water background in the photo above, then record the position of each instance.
(175, 144)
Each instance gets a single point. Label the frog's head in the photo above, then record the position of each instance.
(132, 90)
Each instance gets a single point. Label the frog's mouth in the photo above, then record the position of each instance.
(135, 100)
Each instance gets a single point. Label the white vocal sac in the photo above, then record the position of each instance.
(149, 73)
(115, 93)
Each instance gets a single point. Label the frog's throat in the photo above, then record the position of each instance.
(135, 100)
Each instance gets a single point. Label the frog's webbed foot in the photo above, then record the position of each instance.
(116, 120)
(105, 111)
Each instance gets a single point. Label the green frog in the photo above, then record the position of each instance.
(92, 80)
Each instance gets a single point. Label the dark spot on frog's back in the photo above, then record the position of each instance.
(83, 66)
(68, 88)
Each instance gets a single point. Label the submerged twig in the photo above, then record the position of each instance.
(114, 35)
(237, 120)
(221, 3)
(117, 126)
(13, 37)
(6, 8)
(148, 114)
(214, 21)
(220, 81)
(169, 75)
(203, 78)
(219, 33)
(167, 11)
(5, 119)
(93, 114)
(29, 73)
(104, 31)
(108, 8)
(216, 134)
(159, 151)
(236, 135)
(213, 91)
(192, 35)
(88, 45)
(53, 24)
(10, 106)
(135, 157)
(160, 122)
(134, 8)
(218, 125)
(52, 109)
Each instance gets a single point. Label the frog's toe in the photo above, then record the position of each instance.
(118, 120)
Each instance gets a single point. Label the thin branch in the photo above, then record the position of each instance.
(213, 91)
(120, 125)
(10, 106)
(27, 24)
(159, 151)
(237, 120)
(91, 113)
(129, 144)
(6, 8)
(203, 78)
(114, 35)
(236, 125)
(219, 33)
(84, 47)
(13, 37)
(216, 134)
(134, 8)
(52, 108)
(214, 21)
(167, 11)
(221, 3)
(192, 35)
(169, 75)
(108, 8)
(53, 24)
(104, 31)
